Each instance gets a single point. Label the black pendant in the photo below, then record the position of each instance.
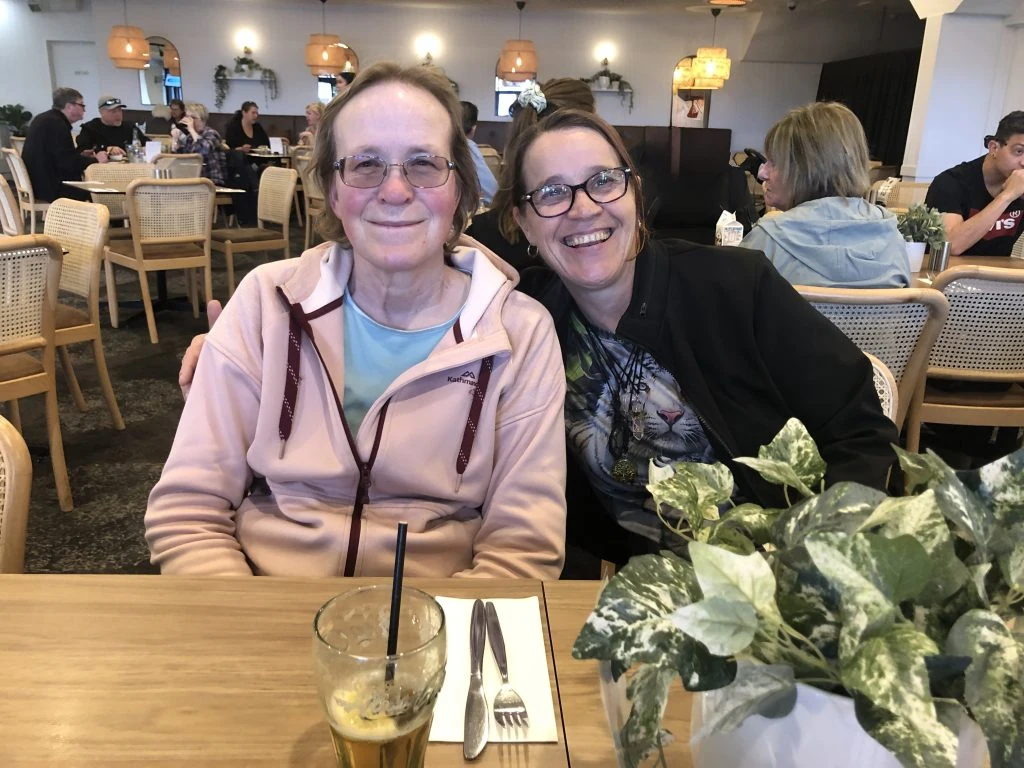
(624, 471)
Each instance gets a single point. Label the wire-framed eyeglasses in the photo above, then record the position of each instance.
(605, 186)
(367, 171)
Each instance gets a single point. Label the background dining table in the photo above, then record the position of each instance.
(164, 670)
(924, 278)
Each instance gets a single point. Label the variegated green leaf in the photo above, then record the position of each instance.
(694, 489)
(1012, 566)
(729, 538)
(790, 459)
(756, 521)
(1001, 484)
(726, 627)
(648, 691)
(866, 609)
(842, 507)
(916, 744)
(978, 574)
(757, 688)
(994, 683)
(743, 578)
(631, 622)
(920, 469)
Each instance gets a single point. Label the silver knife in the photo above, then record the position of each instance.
(475, 734)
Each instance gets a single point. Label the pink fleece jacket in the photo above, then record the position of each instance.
(499, 514)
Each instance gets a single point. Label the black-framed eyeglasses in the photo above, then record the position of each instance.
(605, 186)
(79, 104)
(367, 171)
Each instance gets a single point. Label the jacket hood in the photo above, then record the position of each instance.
(842, 239)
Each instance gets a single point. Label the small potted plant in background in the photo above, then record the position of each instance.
(846, 629)
(606, 80)
(921, 226)
(13, 122)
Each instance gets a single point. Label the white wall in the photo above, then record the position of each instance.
(649, 45)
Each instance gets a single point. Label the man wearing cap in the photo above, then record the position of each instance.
(107, 132)
(982, 200)
(49, 150)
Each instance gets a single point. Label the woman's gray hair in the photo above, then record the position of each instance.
(199, 110)
(819, 150)
(428, 79)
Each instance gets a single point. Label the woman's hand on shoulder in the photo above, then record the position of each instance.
(191, 358)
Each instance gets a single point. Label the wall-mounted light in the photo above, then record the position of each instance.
(245, 38)
(427, 46)
(605, 50)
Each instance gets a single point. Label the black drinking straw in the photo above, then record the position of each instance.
(396, 600)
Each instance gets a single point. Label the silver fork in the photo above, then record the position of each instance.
(509, 709)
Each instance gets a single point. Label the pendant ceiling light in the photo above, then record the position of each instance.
(728, 3)
(686, 78)
(326, 54)
(127, 46)
(518, 60)
(713, 63)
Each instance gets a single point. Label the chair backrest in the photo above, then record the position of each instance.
(12, 223)
(186, 166)
(310, 182)
(171, 210)
(277, 189)
(18, 144)
(19, 171)
(117, 172)
(15, 486)
(29, 280)
(81, 228)
(984, 335)
(886, 387)
(1017, 252)
(884, 191)
(908, 193)
(164, 139)
(492, 157)
(896, 325)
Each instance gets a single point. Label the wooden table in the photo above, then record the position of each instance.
(162, 670)
(587, 739)
(120, 187)
(924, 278)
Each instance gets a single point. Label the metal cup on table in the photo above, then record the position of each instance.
(940, 258)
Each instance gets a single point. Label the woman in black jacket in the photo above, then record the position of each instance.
(244, 132)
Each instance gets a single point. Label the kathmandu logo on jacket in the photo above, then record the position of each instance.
(467, 377)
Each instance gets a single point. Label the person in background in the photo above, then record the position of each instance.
(108, 132)
(982, 200)
(314, 114)
(388, 374)
(673, 351)
(49, 152)
(177, 107)
(244, 131)
(488, 184)
(816, 173)
(496, 228)
(199, 138)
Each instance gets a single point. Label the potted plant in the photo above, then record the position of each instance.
(846, 617)
(921, 226)
(606, 80)
(16, 117)
(221, 85)
(245, 65)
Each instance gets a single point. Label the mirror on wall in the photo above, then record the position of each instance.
(160, 79)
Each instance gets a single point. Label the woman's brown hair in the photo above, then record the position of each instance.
(437, 85)
(560, 93)
(560, 120)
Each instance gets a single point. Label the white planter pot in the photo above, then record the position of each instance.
(822, 730)
(604, 83)
(915, 255)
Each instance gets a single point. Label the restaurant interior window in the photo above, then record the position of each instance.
(327, 85)
(506, 93)
(160, 78)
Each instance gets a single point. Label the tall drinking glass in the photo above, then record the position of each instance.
(374, 720)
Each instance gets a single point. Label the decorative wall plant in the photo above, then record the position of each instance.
(246, 66)
(606, 80)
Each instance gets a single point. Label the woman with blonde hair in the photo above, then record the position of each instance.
(827, 234)
(496, 228)
(196, 137)
(314, 114)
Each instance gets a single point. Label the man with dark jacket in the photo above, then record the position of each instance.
(108, 131)
(49, 150)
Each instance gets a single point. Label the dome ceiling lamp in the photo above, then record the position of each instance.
(326, 55)
(518, 59)
(712, 63)
(686, 78)
(127, 46)
(728, 3)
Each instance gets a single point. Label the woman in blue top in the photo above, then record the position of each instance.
(827, 234)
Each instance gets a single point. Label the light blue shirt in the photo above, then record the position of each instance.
(488, 184)
(376, 355)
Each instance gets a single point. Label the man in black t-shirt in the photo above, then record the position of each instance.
(108, 132)
(982, 201)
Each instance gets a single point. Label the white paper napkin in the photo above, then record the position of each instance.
(153, 148)
(527, 671)
(276, 145)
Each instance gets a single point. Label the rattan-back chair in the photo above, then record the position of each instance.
(982, 341)
(81, 228)
(118, 173)
(15, 487)
(492, 158)
(12, 223)
(886, 387)
(184, 166)
(171, 220)
(277, 189)
(31, 266)
(1017, 252)
(301, 157)
(23, 187)
(18, 144)
(315, 202)
(896, 325)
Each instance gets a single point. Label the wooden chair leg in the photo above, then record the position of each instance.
(60, 468)
(193, 290)
(14, 414)
(229, 260)
(69, 372)
(147, 304)
(108, 269)
(207, 284)
(105, 385)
